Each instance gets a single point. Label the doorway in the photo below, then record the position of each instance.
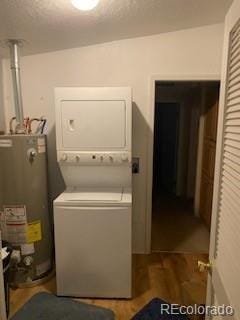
(185, 132)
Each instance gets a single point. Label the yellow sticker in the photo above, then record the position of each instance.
(34, 231)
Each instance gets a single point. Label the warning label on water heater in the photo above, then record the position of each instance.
(34, 231)
(15, 224)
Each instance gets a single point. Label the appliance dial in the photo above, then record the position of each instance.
(77, 158)
(111, 158)
(125, 158)
(64, 157)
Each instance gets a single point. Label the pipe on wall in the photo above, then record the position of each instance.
(16, 78)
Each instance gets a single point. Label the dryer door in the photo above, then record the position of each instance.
(93, 125)
(94, 119)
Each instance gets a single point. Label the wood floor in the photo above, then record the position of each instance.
(163, 275)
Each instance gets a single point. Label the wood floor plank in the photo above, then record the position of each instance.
(161, 275)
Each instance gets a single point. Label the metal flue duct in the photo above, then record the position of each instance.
(16, 78)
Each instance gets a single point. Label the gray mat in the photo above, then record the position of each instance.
(46, 306)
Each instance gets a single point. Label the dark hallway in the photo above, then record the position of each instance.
(177, 224)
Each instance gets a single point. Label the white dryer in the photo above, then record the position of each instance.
(93, 217)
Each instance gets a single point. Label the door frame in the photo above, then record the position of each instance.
(150, 150)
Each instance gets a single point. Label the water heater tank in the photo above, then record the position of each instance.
(24, 206)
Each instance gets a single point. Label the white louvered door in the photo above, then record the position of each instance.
(224, 282)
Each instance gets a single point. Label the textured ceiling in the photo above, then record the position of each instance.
(48, 25)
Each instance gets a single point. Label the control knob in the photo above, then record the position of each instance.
(64, 157)
(125, 158)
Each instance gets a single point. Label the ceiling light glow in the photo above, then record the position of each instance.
(85, 5)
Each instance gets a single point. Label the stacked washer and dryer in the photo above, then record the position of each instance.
(93, 216)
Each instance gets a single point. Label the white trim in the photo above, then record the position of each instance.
(153, 79)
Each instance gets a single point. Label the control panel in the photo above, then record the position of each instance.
(91, 158)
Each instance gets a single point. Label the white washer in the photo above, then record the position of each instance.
(93, 217)
(93, 232)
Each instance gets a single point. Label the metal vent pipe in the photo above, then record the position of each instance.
(15, 67)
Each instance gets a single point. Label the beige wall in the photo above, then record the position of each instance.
(129, 62)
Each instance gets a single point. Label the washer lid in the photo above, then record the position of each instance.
(92, 194)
